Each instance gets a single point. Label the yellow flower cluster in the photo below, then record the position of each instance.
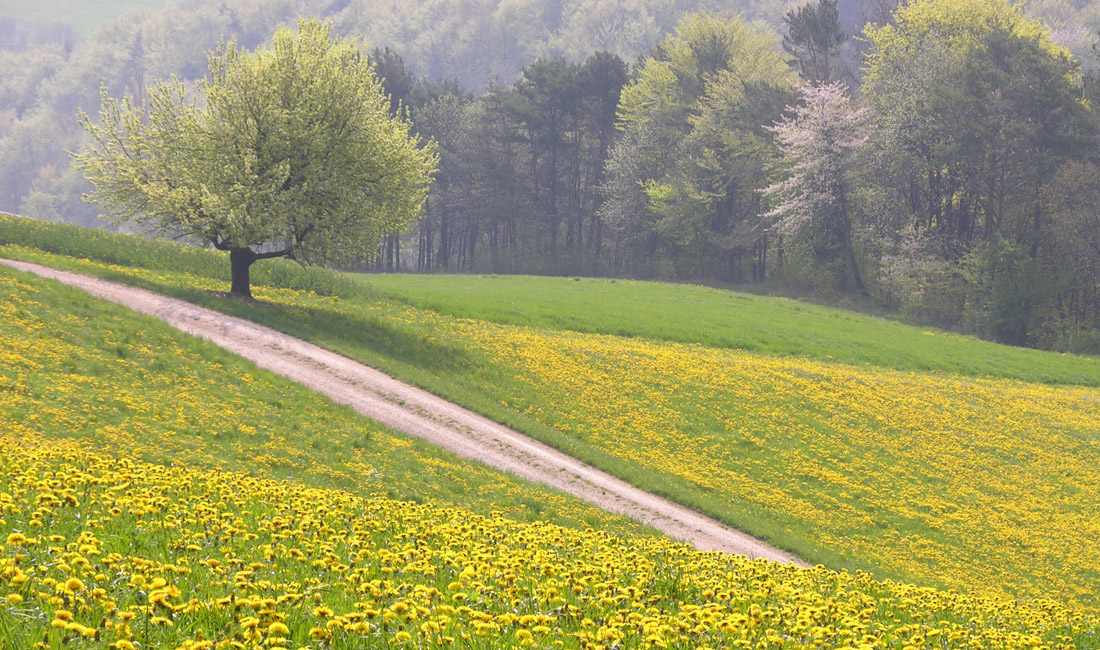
(104, 552)
(100, 375)
(982, 485)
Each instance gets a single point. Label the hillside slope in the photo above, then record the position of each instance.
(99, 551)
(679, 313)
(420, 414)
(77, 368)
(156, 492)
(984, 484)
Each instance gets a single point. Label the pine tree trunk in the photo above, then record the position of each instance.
(240, 261)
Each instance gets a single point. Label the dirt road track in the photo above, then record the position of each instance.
(423, 415)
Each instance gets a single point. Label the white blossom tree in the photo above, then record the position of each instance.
(817, 139)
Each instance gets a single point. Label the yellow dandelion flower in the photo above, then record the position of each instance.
(278, 628)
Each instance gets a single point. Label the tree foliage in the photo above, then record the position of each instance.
(694, 149)
(975, 106)
(813, 38)
(1071, 256)
(291, 151)
(817, 141)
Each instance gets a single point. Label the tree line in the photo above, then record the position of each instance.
(954, 178)
(945, 163)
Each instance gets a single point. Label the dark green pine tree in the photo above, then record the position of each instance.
(813, 38)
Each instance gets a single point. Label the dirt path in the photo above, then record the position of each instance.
(423, 415)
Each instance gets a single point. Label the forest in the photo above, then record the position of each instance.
(939, 158)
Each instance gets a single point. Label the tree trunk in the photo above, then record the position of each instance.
(240, 260)
(846, 237)
(1036, 224)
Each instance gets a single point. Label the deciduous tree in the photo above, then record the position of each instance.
(682, 181)
(818, 140)
(289, 151)
(975, 106)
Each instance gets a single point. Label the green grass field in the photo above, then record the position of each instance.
(648, 310)
(726, 319)
(920, 456)
(157, 492)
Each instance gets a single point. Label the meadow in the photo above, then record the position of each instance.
(74, 367)
(982, 479)
(680, 313)
(157, 492)
(701, 315)
(98, 551)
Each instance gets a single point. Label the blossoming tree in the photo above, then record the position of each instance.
(817, 141)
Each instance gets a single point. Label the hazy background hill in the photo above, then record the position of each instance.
(471, 41)
(82, 17)
(475, 41)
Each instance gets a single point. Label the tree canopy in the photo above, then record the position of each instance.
(694, 151)
(288, 151)
(814, 38)
(975, 109)
(817, 140)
